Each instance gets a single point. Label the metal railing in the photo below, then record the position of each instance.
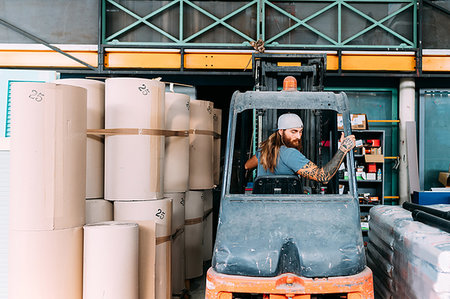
(258, 10)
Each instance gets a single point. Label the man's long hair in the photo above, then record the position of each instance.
(270, 149)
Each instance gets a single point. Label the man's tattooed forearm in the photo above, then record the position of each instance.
(324, 174)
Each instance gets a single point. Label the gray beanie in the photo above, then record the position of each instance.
(289, 121)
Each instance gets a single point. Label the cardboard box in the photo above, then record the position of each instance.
(359, 122)
(374, 158)
(371, 176)
(444, 178)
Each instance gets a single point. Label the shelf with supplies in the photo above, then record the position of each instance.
(369, 166)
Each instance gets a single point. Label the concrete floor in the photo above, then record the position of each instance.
(197, 285)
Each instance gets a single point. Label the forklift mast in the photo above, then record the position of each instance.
(269, 71)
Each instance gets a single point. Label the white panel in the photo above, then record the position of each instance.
(4, 219)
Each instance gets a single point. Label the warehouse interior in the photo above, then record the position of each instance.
(126, 126)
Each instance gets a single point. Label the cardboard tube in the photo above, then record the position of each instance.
(176, 162)
(217, 118)
(46, 264)
(134, 164)
(95, 146)
(159, 211)
(201, 146)
(48, 156)
(207, 247)
(110, 260)
(178, 258)
(194, 234)
(98, 210)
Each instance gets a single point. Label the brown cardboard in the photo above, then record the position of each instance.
(201, 146)
(159, 211)
(48, 156)
(358, 121)
(374, 158)
(98, 210)
(217, 118)
(134, 165)
(45, 264)
(178, 257)
(110, 263)
(95, 144)
(193, 229)
(444, 178)
(176, 161)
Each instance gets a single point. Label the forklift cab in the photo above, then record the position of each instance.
(287, 238)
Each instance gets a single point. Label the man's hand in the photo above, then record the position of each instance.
(347, 143)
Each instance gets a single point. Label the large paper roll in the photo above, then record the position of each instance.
(159, 211)
(193, 229)
(110, 267)
(98, 210)
(46, 264)
(147, 258)
(201, 146)
(95, 145)
(176, 161)
(48, 156)
(134, 164)
(217, 118)
(207, 248)
(178, 258)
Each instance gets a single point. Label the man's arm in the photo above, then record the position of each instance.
(324, 174)
(251, 163)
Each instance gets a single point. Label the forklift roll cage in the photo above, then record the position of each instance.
(285, 100)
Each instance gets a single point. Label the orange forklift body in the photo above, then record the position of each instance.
(222, 286)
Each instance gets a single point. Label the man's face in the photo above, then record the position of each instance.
(292, 137)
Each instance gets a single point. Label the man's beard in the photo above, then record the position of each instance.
(294, 143)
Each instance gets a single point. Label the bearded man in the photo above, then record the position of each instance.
(280, 155)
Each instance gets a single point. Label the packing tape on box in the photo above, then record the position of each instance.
(193, 221)
(152, 132)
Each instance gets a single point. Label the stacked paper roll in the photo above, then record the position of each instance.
(111, 260)
(159, 211)
(48, 187)
(176, 162)
(207, 243)
(48, 148)
(193, 227)
(46, 264)
(98, 210)
(217, 118)
(409, 259)
(178, 239)
(134, 163)
(95, 145)
(201, 146)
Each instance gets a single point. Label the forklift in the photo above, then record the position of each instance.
(285, 237)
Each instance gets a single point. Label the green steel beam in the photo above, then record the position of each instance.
(261, 24)
(181, 20)
(126, 10)
(301, 22)
(219, 21)
(378, 23)
(339, 23)
(140, 20)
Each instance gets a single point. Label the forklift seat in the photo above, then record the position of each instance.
(278, 184)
